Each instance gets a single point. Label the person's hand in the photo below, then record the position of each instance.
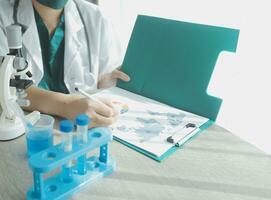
(101, 111)
(110, 79)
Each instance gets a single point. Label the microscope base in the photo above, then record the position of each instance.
(11, 130)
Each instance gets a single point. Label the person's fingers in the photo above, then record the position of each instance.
(100, 120)
(97, 120)
(117, 107)
(106, 101)
(117, 74)
(116, 112)
(109, 103)
(102, 109)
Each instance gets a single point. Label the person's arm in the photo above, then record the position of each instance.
(101, 112)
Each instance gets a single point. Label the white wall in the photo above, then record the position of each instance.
(243, 79)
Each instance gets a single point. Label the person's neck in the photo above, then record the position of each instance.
(50, 17)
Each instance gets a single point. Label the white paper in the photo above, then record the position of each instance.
(146, 123)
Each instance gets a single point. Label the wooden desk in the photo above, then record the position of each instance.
(216, 165)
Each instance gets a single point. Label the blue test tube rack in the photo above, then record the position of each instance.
(54, 187)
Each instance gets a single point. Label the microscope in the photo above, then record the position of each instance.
(14, 80)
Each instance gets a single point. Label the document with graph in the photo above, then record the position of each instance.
(147, 124)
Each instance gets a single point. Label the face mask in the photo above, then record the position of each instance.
(55, 4)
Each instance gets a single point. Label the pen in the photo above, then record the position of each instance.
(120, 108)
(85, 94)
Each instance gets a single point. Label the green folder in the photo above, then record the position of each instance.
(172, 62)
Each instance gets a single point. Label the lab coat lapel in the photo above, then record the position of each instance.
(73, 24)
(30, 37)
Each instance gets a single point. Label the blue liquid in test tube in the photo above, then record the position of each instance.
(66, 127)
(82, 122)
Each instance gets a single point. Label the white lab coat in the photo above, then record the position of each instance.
(79, 69)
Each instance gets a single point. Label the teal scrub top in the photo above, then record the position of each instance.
(52, 49)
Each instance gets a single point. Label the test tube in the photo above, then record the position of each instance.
(66, 128)
(82, 122)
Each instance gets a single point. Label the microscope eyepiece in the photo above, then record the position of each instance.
(14, 36)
